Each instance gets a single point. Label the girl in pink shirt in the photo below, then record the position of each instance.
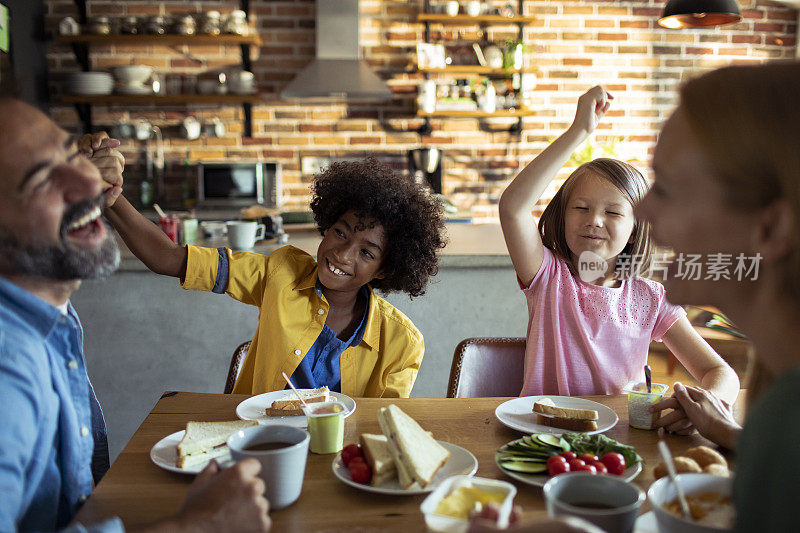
(591, 316)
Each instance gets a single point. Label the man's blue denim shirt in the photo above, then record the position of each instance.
(53, 443)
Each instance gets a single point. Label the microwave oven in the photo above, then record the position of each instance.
(238, 184)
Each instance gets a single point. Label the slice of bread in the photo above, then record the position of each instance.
(291, 406)
(571, 424)
(546, 406)
(378, 457)
(411, 446)
(201, 439)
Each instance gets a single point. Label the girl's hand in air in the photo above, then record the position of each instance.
(592, 105)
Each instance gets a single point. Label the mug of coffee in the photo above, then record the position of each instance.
(606, 501)
(282, 452)
(242, 234)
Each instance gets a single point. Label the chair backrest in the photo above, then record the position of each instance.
(236, 366)
(486, 367)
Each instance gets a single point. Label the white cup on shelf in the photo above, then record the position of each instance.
(242, 235)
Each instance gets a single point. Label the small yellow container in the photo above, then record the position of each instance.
(326, 426)
(639, 401)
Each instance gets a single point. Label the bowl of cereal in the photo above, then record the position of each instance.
(709, 499)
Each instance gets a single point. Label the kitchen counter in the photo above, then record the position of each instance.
(469, 245)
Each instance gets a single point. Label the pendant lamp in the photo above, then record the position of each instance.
(698, 13)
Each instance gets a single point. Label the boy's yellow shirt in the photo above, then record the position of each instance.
(291, 317)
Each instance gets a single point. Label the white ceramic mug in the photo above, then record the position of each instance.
(190, 128)
(452, 7)
(283, 467)
(242, 235)
(606, 501)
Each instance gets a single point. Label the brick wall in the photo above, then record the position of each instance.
(573, 44)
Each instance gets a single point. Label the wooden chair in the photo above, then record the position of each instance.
(487, 366)
(236, 366)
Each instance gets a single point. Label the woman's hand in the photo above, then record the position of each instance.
(102, 151)
(696, 408)
(592, 106)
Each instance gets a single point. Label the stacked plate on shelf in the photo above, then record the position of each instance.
(90, 83)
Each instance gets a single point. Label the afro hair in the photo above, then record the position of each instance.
(410, 216)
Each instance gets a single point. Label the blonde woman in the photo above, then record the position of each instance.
(727, 181)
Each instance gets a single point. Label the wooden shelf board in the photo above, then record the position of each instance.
(168, 40)
(475, 69)
(466, 19)
(516, 113)
(146, 99)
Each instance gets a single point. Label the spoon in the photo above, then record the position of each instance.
(295, 390)
(666, 456)
(648, 379)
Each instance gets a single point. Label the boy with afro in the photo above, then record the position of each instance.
(319, 320)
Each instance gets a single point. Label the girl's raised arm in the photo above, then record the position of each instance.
(522, 236)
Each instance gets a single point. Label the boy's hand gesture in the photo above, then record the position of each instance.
(101, 150)
(592, 105)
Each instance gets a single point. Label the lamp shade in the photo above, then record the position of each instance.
(697, 13)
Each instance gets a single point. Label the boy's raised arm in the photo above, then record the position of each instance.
(518, 200)
(146, 240)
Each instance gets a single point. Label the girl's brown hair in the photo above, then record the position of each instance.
(630, 182)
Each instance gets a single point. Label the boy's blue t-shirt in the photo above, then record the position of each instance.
(320, 366)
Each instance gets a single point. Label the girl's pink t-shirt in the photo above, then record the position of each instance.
(586, 339)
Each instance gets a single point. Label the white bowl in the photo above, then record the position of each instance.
(448, 524)
(663, 492)
(132, 74)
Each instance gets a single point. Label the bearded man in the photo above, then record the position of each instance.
(53, 445)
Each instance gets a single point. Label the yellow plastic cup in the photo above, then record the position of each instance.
(639, 402)
(326, 426)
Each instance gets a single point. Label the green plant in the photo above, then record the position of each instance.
(591, 151)
(511, 46)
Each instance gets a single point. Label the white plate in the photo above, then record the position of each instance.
(518, 414)
(460, 462)
(134, 89)
(646, 523)
(165, 454)
(253, 408)
(539, 480)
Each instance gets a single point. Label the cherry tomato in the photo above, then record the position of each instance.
(601, 468)
(349, 452)
(569, 455)
(615, 463)
(575, 464)
(585, 468)
(587, 458)
(554, 459)
(557, 467)
(360, 472)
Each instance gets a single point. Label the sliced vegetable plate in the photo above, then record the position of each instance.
(525, 459)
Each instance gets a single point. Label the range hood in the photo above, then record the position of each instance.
(338, 69)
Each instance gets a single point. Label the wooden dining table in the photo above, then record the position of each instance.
(139, 492)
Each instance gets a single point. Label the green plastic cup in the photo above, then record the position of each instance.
(326, 426)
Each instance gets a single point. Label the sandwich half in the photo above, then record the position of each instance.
(291, 406)
(416, 453)
(379, 458)
(207, 440)
(549, 414)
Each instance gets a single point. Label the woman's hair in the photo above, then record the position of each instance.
(630, 183)
(746, 120)
(410, 216)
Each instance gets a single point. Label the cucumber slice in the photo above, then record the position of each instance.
(549, 439)
(527, 468)
(516, 458)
